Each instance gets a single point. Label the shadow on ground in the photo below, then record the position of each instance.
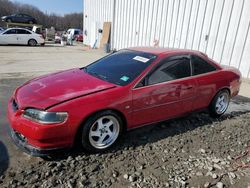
(154, 133)
(4, 158)
(241, 99)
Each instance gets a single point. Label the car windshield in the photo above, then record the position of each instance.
(122, 67)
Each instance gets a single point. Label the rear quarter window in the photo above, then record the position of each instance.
(200, 66)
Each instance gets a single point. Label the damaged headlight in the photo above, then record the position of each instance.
(44, 117)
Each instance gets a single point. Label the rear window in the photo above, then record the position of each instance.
(122, 67)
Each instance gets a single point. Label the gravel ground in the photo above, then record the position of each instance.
(194, 151)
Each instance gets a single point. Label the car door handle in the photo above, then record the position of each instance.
(188, 87)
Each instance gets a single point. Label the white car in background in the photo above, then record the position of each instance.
(21, 36)
(74, 32)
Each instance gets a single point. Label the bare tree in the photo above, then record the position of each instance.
(74, 20)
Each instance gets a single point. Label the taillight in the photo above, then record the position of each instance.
(41, 36)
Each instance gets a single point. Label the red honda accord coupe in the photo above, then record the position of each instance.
(124, 90)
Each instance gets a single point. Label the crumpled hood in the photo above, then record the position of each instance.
(56, 88)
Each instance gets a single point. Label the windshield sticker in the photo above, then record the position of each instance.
(124, 78)
(141, 59)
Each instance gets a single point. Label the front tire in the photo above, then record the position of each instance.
(101, 131)
(219, 103)
(32, 42)
(30, 22)
(8, 20)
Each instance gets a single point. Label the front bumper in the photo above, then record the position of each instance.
(31, 150)
(37, 139)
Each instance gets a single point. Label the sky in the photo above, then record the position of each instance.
(56, 6)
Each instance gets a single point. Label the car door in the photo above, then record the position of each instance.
(16, 18)
(9, 37)
(25, 18)
(19, 18)
(23, 36)
(166, 92)
(205, 75)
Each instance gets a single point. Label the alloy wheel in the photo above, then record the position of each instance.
(104, 132)
(222, 103)
(32, 42)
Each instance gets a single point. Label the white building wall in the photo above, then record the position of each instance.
(95, 13)
(219, 28)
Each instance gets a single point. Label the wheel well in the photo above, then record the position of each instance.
(227, 89)
(124, 128)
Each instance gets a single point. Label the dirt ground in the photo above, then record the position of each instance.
(193, 151)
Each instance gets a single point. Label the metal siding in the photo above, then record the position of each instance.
(203, 15)
(159, 21)
(134, 26)
(240, 40)
(163, 22)
(218, 50)
(237, 30)
(218, 28)
(175, 22)
(97, 11)
(179, 29)
(164, 39)
(244, 65)
(186, 24)
(231, 33)
(154, 23)
(138, 22)
(215, 27)
(192, 25)
(170, 22)
(209, 26)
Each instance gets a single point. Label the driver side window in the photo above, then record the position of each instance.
(170, 70)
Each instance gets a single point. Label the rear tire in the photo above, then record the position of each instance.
(32, 42)
(31, 22)
(219, 103)
(101, 131)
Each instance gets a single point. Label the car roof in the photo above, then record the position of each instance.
(74, 29)
(166, 51)
(21, 14)
(17, 28)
